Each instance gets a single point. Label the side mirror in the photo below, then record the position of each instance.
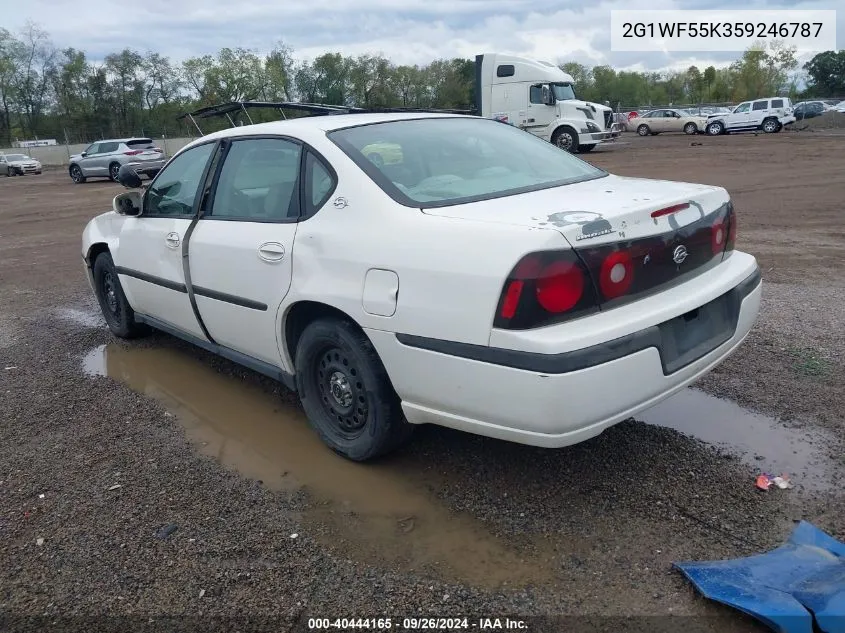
(84, 154)
(550, 97)
(129, 203)
(128, 177)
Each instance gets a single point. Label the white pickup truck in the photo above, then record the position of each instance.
(539, 97)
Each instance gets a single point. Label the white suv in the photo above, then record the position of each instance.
(405, 269)
(769, 115)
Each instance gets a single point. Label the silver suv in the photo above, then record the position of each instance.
(105, 158)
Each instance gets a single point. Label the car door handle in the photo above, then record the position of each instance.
(271, 252)
(172, 240)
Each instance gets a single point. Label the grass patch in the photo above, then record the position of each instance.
(809, 362)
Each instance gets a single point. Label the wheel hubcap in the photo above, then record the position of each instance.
(114, 171)
(109, 293)
(342, 391)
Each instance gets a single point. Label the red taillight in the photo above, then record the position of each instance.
(511, 300)
(133, 152)
(156, 149)
(560, 286)
(616, 274)
(544, 288)
(670, 210)
(718, 237)
(731, 230)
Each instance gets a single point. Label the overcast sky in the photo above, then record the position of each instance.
(406, 31)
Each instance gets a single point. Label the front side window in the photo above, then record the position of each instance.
(174, 189)
(563, 91)
(461, 159)
(92, 149)
(259, 181)
(742, 107)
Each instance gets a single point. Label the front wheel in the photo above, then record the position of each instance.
(346, 392)
(76, 174)
(643, 130)
(566, 139)
(691, 128)
(715, 128)
(119, 315)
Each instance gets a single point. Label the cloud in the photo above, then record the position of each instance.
(408, 32)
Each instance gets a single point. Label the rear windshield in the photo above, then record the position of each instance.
(143, 143)
(444, 161)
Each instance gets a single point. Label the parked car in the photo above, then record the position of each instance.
(104, 159)
(839, 107)
(769, 115)
(18, 165)
(481, 279)
(667, 120)
(809, 109)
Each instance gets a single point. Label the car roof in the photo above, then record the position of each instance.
(123, 140)
(327, 123)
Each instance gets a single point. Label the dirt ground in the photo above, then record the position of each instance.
(150, 480)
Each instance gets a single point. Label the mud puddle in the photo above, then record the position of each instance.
(760, 441)
(385, 513)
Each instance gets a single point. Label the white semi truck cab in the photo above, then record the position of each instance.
(540, 98)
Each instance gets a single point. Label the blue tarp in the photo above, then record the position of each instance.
(787, 588)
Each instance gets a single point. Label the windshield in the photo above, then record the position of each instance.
(564, 92)
(17, 157)
(443, 161)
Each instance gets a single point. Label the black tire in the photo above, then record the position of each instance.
(566, 139)
(691, 128)
(715, 129)
(643, 130)
(346, 392)
(76, 174)
(585, 149)
(114, 168)
(770, 126)
(119, 315)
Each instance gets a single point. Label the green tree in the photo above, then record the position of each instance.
(827, 74)
(709, 77)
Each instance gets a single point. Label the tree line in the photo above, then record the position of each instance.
(46, 92)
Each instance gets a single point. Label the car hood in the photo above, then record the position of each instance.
(76, 157)
(597, 211)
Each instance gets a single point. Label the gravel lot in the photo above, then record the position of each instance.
(96, 471)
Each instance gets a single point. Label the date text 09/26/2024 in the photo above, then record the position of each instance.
(416, 624)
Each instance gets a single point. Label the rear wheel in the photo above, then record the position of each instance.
(566, 139)
(770, 126)
(346, 392)
(691, 128)
(119, 315)
(643, 130)
(114, 169)
(76, 174)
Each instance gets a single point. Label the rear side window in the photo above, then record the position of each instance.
(319, 183)
(505, 70)
(106, 148)
(777, 103)
(760, 105)
(259, 182)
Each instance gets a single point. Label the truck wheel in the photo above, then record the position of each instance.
(566, 139)
(643, 130)
(346, 393)
(585, 149)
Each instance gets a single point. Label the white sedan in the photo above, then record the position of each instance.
(404, 269)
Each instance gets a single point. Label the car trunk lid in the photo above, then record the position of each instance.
(634, 236)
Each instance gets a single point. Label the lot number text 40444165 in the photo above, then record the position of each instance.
(417, 624)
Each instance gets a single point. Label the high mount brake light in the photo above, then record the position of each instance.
(544, 288)
(670, 210)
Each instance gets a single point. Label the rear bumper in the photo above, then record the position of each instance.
(557, 399)
(147, 167)
(786, 120)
